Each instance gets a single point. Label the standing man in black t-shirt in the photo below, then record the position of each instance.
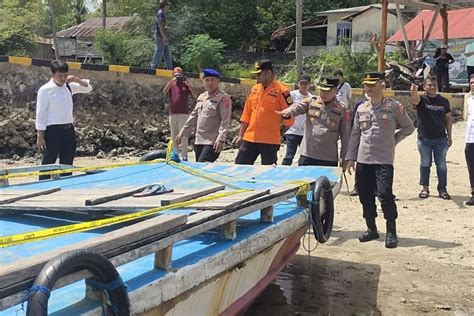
(434, 134)
(162, 49)
(443, 59)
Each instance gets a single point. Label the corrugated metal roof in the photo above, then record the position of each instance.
(459, 26)
(88, 28)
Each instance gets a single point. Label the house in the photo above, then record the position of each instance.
(333, 28)
(77, 42)
(460, 35)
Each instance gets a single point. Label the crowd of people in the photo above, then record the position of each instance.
(368, 132)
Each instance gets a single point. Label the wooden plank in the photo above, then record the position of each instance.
(112, 197)
(266, 214)
(229, 202)
(30, 195)
(20, 279)
(194, 195)
(12, 275)
(229, 230)
(163, 258)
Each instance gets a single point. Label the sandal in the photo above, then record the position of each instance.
(424, 194)
(444, 195)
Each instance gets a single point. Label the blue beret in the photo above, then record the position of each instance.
(208, 72)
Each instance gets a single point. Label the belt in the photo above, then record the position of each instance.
(63, 126)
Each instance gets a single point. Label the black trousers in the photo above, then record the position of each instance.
(248, 153)
(376, 178)
(60, 142)
(470, 71)
(308, 161)
(443, 80)
(469, 152)
(205, 153)
(292, 142)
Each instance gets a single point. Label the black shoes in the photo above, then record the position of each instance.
(470, 202)
(354, 192)
(371, 232)
(369, 235)
(391, 240)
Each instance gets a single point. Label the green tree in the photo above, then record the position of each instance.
(201, 51)
(17, 33)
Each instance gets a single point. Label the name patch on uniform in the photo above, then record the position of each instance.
(288, 98)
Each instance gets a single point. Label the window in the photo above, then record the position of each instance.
(344, 33)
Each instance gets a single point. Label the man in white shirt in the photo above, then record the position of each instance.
(294, 135)
(54, 119)
(469, 151)
(344, 90)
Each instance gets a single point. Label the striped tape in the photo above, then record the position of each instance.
(12, 240)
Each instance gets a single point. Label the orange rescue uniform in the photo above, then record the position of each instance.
(259, 113)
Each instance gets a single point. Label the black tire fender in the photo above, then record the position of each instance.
(102, 269)
(152, 155)
(322, 213)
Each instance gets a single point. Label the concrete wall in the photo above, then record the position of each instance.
(125, 113)
(368, 23)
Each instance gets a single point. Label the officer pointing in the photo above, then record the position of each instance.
(326, 122)
(372, 145)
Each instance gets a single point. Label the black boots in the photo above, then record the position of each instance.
(371, 232)
(391, 240)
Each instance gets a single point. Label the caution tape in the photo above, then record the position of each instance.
(78, 169)
(12, 240)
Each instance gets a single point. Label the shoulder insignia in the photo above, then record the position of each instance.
(287, 97)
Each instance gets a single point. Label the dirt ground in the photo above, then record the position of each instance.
(431, 272)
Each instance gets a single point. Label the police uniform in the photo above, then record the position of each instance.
(325, 124)
(211, 119)
(263, 136)
(372, 145)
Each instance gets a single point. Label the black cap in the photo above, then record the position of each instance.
(338, 72)
(372, 77)
(304, 78)
(327, 83)
(262, 65)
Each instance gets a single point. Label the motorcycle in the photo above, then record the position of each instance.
(400, 77)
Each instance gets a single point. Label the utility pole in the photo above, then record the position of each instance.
(383, 37)
(299, 37)
(104, 13)
(53, 26)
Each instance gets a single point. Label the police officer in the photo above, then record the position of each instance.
(210, 118)
(326, 122)
(260, 126)
(372, 145)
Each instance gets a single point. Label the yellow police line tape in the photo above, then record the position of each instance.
(8, 241)
(78, 169)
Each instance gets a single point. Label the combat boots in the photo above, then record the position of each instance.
(391, 240)
(371, 232)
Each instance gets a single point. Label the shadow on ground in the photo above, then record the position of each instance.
(321, 286)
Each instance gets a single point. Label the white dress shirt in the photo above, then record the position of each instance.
(344, 94)
(300, 120)
(54, 103)
(470, 120)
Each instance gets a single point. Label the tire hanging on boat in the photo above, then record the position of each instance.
(152, 155)
(103, 272)
(322, 209)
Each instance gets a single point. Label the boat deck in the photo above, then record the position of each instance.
(68, 206)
